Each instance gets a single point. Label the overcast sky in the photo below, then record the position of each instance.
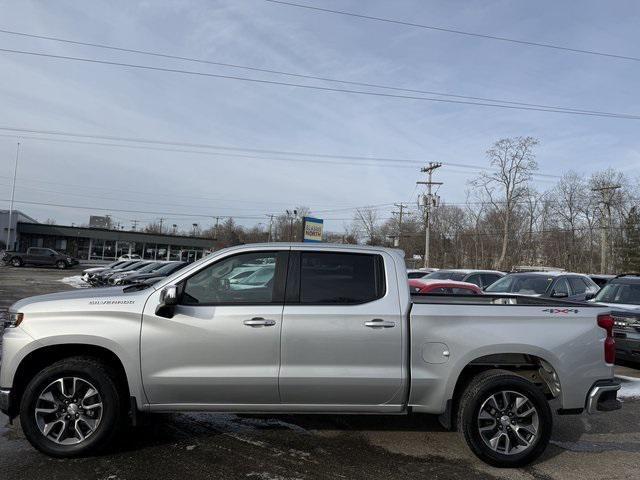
(39, 93)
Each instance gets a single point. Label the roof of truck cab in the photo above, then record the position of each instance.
(318, 246)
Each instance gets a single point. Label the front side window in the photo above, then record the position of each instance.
(340, 278)
(212, 284)
(561, 287)
(475, 279)
(577, 285)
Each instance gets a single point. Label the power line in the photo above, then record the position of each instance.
(460, 32)
(412, 162)
(299, 75)
(319, 88)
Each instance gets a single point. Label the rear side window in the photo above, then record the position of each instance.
(340, 278)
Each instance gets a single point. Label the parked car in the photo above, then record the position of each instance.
(419, 272)
(482, 278)
(166, 269)
(103, 277)
(571, 286)
(40, 256)
(622, 293)
(451, 287)
(118, 277)
(334, 330)
(130, 256)
(87, 273)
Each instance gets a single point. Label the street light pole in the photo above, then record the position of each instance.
(13, 192)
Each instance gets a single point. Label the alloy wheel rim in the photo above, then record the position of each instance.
(68, 410)
(508, 422)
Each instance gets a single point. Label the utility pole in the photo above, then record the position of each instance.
(428, 201)
(607, 193)
(292, 215)
(13, 192)
(400, 212)
(161, 221)
(269, 239)
(135, 224)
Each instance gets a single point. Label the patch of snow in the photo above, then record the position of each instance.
(75, 281)
(630, 387)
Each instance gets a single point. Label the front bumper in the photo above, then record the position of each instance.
(5, 404)
(602, 397)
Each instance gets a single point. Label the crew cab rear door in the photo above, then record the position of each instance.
(341, 331)
(221, 347)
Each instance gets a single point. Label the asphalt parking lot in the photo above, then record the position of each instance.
(199, 446)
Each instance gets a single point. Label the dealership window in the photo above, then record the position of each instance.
(97, 247)
(61, 244)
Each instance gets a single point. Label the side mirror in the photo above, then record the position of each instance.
(559, 294)
(168, 301)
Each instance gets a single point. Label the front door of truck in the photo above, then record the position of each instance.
(222, 344)
(342, 331)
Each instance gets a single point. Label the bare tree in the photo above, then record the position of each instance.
(367, 220)
(514, 162)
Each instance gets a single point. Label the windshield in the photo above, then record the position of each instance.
(619, 293)
(523, 284)
(446, 275)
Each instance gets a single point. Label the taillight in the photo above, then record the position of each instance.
(607, 322)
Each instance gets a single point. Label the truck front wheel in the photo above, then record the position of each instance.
(16, 262)
(71, 408)
(505, 419)
(61, 264)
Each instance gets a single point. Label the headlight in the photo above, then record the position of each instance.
(14, 320)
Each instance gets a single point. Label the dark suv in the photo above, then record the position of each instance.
(570, 286)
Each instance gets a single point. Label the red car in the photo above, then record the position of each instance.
(418, 285)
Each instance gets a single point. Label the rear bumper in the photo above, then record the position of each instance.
(5, 398)
(603, 397)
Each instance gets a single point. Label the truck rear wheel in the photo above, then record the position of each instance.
(72, 408)
(505, 419)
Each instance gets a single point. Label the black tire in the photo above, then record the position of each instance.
(16, 261)
(480, 390)
(61, 264)
(103, 379)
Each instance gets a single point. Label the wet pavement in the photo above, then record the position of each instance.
(209, 446)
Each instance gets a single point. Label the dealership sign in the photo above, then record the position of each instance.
(312, 229)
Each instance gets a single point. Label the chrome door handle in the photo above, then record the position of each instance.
(259, 322)
(379, 323)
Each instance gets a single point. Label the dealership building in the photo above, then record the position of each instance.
(90, 243)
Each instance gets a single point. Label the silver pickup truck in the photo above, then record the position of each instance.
(313, 329)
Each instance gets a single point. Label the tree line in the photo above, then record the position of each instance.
(579, 223)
